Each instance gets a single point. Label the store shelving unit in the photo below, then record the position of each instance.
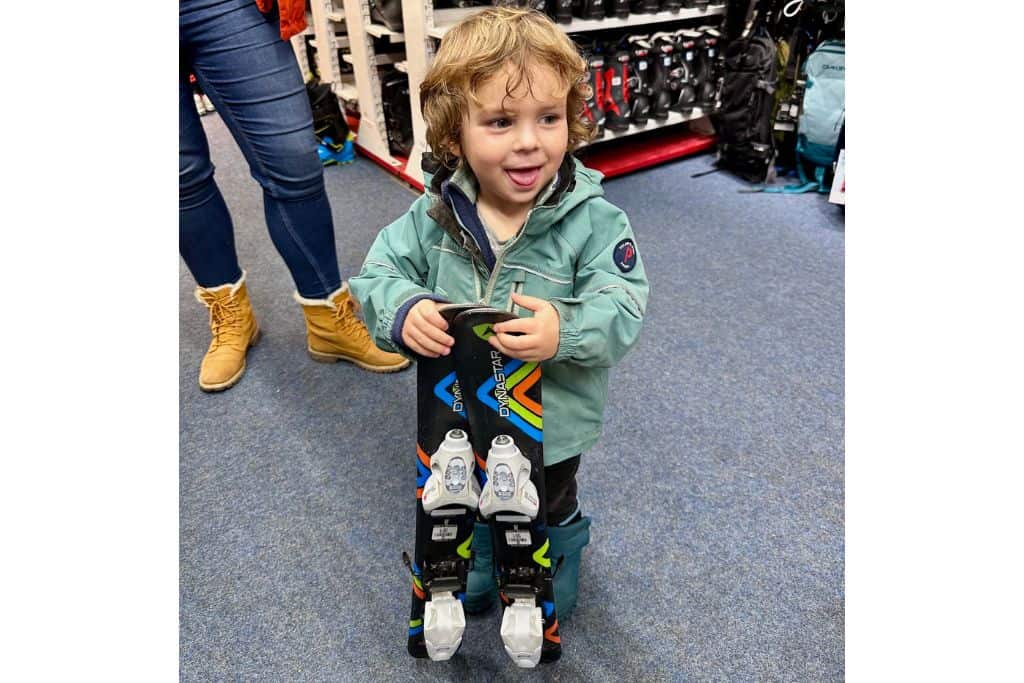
(423, 25)
(298, 42)
(446, 18)
(353, 16)
(325, 21)
(381, 31)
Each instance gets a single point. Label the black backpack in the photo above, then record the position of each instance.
(743, 120)
(328, 119)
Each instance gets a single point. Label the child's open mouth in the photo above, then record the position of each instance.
(524, 177)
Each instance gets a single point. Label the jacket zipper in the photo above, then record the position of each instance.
(493, 281)
(476, 284)
(517, 288)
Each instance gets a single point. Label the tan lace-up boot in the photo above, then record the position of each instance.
(234, 330)
(335, 332)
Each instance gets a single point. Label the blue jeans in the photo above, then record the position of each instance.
(251, 75)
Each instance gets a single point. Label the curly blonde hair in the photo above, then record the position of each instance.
(482, 46)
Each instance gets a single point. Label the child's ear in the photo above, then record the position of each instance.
(455, 149)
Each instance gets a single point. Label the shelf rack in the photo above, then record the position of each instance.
(363, 87)
(446, 18)
(298, 42)
(422, 26)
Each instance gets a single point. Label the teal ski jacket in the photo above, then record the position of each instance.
(575, 250)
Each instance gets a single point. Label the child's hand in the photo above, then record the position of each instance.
(424, 330)
(539, 338)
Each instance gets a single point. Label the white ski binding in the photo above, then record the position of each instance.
(451, 483)
(443, 626)
(522, 632)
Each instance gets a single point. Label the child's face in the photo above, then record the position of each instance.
(514, 144)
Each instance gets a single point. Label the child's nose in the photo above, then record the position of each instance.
(527, 137)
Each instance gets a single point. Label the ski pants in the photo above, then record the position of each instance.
(253, 79)
(560, 490)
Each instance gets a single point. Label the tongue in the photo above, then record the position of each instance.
(524, 177)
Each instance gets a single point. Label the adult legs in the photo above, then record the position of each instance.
(251, 75)
(206, 237)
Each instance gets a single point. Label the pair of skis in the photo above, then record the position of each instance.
(480, 448)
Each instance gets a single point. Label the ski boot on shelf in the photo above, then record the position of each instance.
(616, 92)
(331, 153)
(640, 79)
(328, 118)
(707, 54)
(616, 8)
(685, 52)
(663, 86)
(644, 6)
(590, 9)
(561, 11)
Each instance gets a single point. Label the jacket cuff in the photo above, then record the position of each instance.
(568, 333)
(399, 320)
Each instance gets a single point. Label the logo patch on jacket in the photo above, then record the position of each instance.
(625, 255)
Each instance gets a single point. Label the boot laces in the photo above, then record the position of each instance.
(348, 322)
(225, 321)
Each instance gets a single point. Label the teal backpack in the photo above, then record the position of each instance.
(823, 116)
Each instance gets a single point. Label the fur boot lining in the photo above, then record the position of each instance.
(328, 302)
(235, 286)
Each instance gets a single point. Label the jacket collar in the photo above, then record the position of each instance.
(454, 194)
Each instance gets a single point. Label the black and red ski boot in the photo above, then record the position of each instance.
(616, 92)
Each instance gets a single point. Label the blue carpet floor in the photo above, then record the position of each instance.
(716, 491)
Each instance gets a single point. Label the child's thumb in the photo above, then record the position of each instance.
(529, 302)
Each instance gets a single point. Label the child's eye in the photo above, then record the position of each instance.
(550, 118)
(499, 123)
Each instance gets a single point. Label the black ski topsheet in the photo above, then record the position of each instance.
(502, 395)
(441, 556)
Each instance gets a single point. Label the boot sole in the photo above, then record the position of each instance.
(214, 388)
(321, 357)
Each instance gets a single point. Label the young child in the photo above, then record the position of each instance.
(512, 220)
